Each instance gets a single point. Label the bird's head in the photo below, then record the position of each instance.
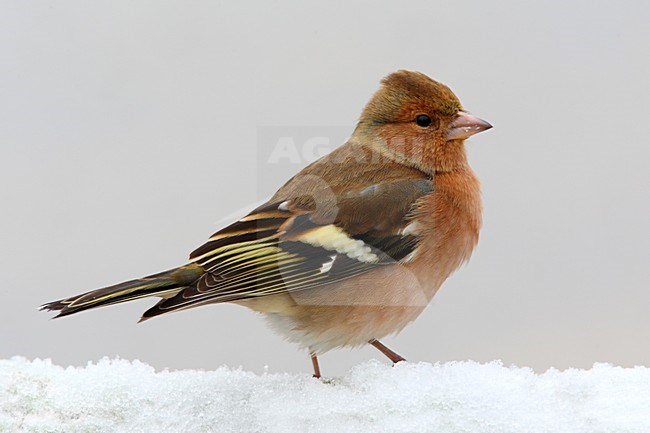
(419, 121)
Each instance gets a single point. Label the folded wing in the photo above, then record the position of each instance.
(300, 243)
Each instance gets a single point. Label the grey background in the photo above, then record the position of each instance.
(129, 133)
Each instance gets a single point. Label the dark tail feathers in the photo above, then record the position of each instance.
(164, 284)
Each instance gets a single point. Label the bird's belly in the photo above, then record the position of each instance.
(351, 313)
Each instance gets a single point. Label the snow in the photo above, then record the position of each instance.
(130, 396)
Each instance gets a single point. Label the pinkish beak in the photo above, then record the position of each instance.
(465, 125)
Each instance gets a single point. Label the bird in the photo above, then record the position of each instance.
(353, 247)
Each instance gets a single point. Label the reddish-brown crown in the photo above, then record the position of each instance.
(403, 89)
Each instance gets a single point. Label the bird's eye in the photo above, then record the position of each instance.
(423, 120)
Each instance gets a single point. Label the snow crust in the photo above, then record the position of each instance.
(130, 396)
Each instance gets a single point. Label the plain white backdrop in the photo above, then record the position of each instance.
(128, 129)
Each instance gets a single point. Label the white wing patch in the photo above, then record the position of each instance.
(333, 238)
(328, 264)
(411, 229)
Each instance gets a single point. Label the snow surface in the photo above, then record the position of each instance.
(123, 396)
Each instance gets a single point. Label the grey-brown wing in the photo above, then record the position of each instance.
(295, 245)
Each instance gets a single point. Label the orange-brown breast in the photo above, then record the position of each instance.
(448, 223)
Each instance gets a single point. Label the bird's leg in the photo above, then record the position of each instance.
(314, 362)
(386, 351)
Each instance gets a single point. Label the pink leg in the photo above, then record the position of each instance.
(314, 362)
(386, 351)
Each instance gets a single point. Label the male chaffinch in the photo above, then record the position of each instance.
(354, 246)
